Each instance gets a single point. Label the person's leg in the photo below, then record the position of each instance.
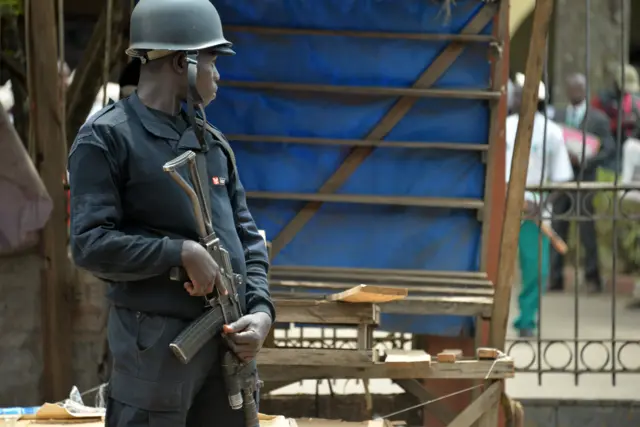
(589, 238)
(148, 386)
(534, 264)
(561, 226)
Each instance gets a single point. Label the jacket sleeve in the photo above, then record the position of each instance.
(97, 244)
(255, 252)
(607, 144)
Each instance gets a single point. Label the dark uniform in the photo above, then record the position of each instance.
(129, 220)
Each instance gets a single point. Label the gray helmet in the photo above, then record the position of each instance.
(176, 25)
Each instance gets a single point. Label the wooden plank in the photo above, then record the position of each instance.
(326, 312)
(520, 163)
(449, 356)
(279, 31)
(486, 353)
(452, 305)
(425, 145)
(358, 155)
(461, 306)
(369, 294)
(365, 199)
(363, 90)
(290, 357)
(382, 279)
(482, 404)
(415, 290)
(46, 125)
(385, 272)
(287, 364)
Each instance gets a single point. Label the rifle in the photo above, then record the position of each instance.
(225, 305)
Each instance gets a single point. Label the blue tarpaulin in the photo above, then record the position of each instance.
(349, 235)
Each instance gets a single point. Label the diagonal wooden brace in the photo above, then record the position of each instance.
(359, 154)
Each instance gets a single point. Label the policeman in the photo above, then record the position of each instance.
(130, 223)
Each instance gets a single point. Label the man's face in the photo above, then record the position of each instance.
(208, 77)
(575, 92)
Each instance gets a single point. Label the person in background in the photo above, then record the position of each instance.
(608, 102)
(548, 161)
(578, 116)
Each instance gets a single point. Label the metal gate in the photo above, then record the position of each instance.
(588, 329)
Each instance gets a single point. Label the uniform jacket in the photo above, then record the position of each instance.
(129, 219)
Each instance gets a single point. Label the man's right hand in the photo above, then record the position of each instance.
(202, 270)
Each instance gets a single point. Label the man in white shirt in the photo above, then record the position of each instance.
(548, 161)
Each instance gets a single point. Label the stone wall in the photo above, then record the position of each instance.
(20, 343)
(21, 363)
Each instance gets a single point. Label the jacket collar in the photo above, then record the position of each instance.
(151, 122)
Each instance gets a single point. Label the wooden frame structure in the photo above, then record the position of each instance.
(281, 366)
(431, 292)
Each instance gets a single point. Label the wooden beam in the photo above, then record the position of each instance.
(487, 401)
(290, 357)
(358, 155)
(425, 145)
(423, 305)
(326, 312)
(452, 305)
(279, 31)
(377, 272)
(364, 90)
(416, 290)
(422, 202)
(520, 163)
(296, 364)
(46, 124)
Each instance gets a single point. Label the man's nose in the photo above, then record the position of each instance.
(216, 75)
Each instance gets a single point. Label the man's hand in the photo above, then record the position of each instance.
(247, 335)
(202, 270)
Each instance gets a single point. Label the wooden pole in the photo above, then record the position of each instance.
(47, 125)
(519, 166)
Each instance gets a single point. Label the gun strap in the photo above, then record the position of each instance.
(224, 143)
(203, 174)
(201, 159)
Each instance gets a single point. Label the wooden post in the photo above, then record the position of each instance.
(46, 123)
(519, 166)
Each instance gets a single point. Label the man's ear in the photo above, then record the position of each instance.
(180, 63)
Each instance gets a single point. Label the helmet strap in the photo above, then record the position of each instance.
(194, 100)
